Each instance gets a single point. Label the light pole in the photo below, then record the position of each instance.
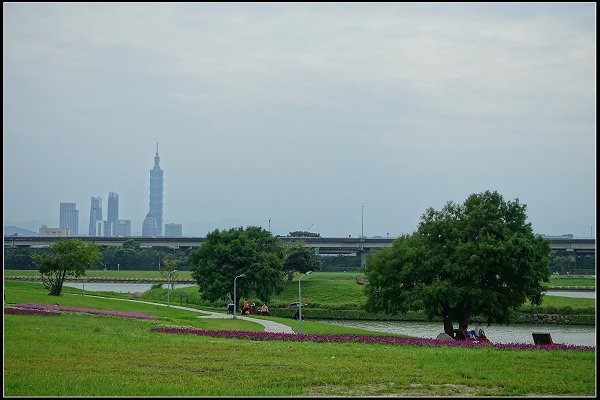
(362, 223)
(171, 273)
(269, 225)
(300, 302)
(235, 294)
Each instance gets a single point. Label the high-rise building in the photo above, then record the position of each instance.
(122, 227)
(95, 215)
(107, 229)
(69, 218)
(173, 230)
(156, 194)
(113, 207)
(149, 229)
(113, 213)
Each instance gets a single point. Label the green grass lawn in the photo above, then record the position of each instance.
(79, 355)
(99, 273)
(572, 281)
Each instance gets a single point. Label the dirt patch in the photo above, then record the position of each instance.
(413, 390)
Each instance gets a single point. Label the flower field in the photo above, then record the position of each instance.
(28, 311)
(84, 310)
(331, 338)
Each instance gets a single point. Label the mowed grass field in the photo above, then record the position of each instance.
(76, 354)
(555, 281)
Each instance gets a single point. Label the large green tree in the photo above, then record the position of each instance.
(477, 258)
(68, 257)
(226, 254)
(300, 259)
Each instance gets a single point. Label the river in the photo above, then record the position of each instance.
(517, 333)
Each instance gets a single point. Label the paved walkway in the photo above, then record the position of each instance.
(270, 326)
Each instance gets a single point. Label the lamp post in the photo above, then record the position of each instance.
(171, 273)
(362, 224)
(300, 302)
(235, 294)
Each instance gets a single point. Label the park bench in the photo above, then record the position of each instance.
(542, 338)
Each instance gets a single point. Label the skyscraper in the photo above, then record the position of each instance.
(156, 194)
(95, 215)
(69, 218)
(113, 207)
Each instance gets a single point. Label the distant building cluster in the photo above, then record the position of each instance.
(112, 225)
(54, 232)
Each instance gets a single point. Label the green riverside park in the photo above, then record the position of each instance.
(81, 354)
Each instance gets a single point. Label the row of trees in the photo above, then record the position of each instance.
(129, 255)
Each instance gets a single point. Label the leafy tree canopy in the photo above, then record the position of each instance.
(479, 258)
(68, 257)
(300, 259)
(226, 254)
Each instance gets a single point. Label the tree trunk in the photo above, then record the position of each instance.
(464, 320)
(448, 326)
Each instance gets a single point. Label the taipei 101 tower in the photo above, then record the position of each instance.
(156, 194)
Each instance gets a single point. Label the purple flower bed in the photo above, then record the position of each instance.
(86, 310)
(366, 339)
(13, 310)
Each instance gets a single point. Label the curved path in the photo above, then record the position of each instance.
(270, 326)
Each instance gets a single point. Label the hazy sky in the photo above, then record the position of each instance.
(300, 113)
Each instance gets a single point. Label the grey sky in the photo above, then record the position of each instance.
(300, 113)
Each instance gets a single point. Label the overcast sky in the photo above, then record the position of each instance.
(300, 113)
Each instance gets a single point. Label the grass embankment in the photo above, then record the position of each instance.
(336, 295)
(95, 355)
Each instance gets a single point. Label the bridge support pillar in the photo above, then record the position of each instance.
(363, 259)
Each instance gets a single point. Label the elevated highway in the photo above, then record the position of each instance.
(325, 246)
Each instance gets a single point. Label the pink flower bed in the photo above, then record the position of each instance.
(365, 339)
(28, 311)
(86, 310)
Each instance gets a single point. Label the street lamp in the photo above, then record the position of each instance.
(235, 294)
(362, 234)
(300, 301)
(171, 273)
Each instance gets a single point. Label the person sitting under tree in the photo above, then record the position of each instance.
(478, 331)
(264, 310)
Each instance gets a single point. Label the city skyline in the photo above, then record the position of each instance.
(295, 115)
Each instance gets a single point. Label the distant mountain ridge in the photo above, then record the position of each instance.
(15, 230)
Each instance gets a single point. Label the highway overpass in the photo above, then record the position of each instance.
(325, 246)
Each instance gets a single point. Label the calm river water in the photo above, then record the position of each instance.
(519, 333)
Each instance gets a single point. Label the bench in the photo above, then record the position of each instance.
(542, 338)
